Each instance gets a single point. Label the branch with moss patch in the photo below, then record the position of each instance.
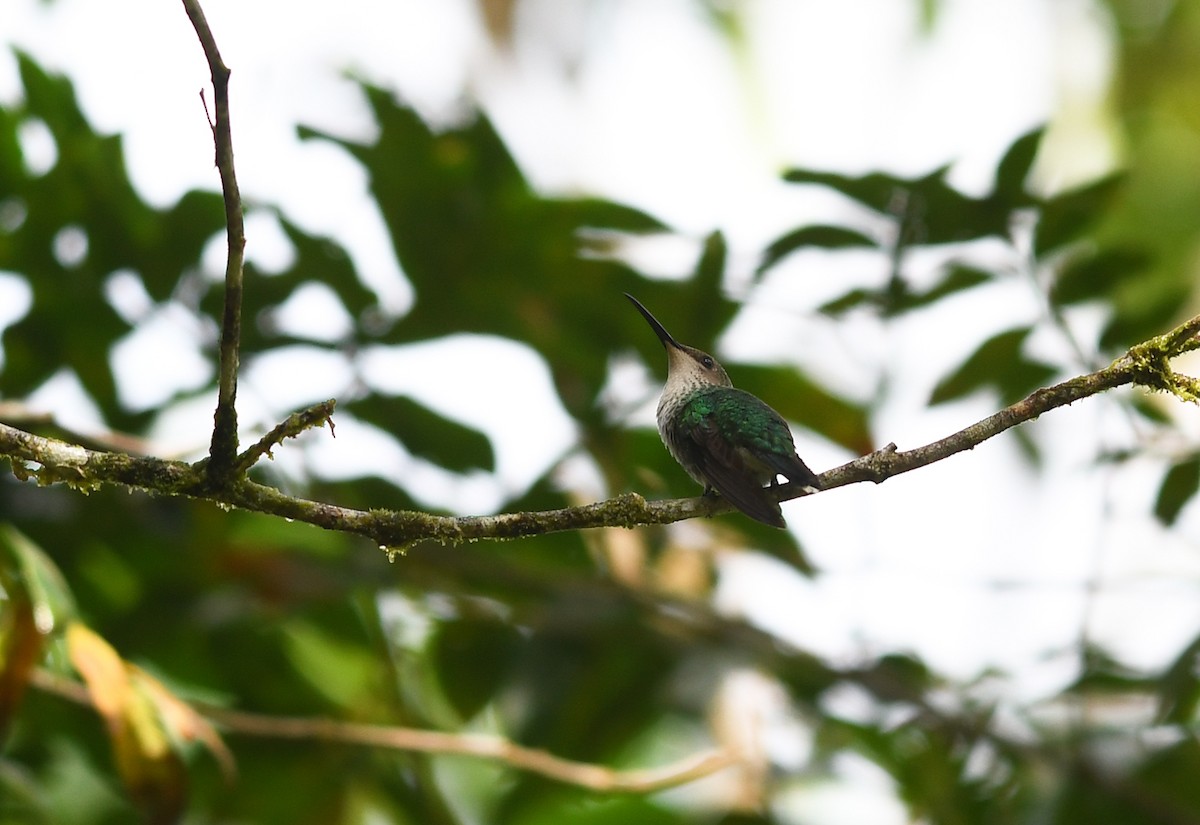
(49, 460)
(317, 415)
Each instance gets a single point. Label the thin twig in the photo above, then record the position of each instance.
(315, 416)
(223, 450)
(499, 749)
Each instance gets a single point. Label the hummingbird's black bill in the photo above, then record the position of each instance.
(658, 328)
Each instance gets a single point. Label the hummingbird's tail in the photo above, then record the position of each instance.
(757, 502)
(793, 468)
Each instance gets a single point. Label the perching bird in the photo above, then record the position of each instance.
(727, 439)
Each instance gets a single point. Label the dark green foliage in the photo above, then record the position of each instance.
(1178, 488)
(87, 195)
(539, 639)
(473, 657)
(1066, 217)
(897, 297)
(999, 363)
(823, 237)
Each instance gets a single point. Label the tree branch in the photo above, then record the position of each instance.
(51, 461)
(499, 749)
(223, 450)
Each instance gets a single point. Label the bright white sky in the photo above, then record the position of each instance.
(972, 563)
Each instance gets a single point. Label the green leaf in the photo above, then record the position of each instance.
(1178, 487)
(858, 298)
(927, 209)
(1167, 778)
(87, 191)
(473, 658)
(1000, 364)
(1013, 169)
(468, 228)
(1067, 216)
(1179, 688)
(573, 809)
(823, 237)
(1096, 273)
(1143, 308)
(34, 602)
(877, 191)
(896, 298)
(956, 278)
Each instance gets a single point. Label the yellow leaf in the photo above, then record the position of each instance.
(102, 670)
(147, 761)
(183, 722)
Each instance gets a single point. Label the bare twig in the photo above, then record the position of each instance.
(50, 460)
(221, 466)
(583, 774)
(315, 416)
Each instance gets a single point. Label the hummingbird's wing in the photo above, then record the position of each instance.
(753, 426)
(728, 469)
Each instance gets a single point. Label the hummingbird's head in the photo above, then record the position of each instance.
(686, 366)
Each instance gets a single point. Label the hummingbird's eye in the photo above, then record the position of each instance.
(707, 362)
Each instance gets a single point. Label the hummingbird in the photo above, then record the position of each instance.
(726, 439)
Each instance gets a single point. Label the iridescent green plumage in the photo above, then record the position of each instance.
(726, 438)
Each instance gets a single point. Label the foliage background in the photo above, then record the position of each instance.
(613, 647)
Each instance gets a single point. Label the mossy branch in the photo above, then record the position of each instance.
(50, 460)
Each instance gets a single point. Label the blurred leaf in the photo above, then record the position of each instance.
(876, 191)
(1179, 688)
(1094, 274)
(36, 574)
(102, 669)
(427, 434)
(1000, 364)
(1148, 406)
(1104, 675)
(151, 770)
(956, 278)
(87, 195)
(1013, 169)
(825, 237)
(347, 675)
(899, 677)
(857, 298)
(1066, 216)
(20, 647)
(570, 809)
(181, 722)
(34, 602)
(1166, 777)
(927, 209)
(1143, 309)
(461, 216)
(473, 657)
(891, 302)
(778, 544)
(1177, 489)
(22, 802)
